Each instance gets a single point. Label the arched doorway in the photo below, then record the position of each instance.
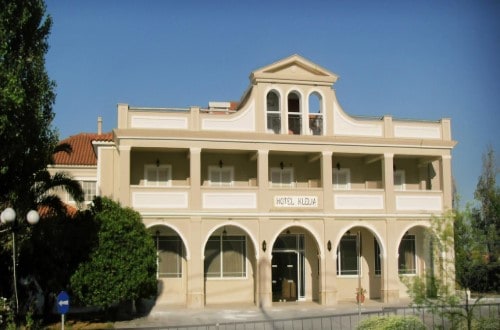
(171, 265)
(295, 266)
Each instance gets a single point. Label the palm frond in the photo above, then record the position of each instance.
(63, 147)
(47, 184)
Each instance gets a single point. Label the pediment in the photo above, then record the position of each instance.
(294, 68)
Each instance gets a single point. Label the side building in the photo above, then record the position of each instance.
(280, 197)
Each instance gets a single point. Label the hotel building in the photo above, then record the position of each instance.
(279, 197)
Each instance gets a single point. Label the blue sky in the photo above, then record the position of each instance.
(409, 59)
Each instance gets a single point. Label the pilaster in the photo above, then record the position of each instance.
(388, 178)
(327, 180)
(124, 175)
(195, 178)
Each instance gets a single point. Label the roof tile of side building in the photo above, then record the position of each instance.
(83, 152)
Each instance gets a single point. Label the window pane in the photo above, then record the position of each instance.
(221, 176)
(316, 124)
(89, 188)
(286, 242)
(347, 256)
(212, 257)
(286, 177)
(378, 268)
(294, 124)
(89, 191)
(233, 248)
(399, 180)
(274, 122)
(151, 176)
(341, 178)
(275, 176)
(225, 176)
(162, 176)
(407, 256)
(272, 102)
(170, 256)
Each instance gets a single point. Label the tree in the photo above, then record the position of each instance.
(122, 265)
(485, 217)
(60, 242)
(437, 292)
(26, 100)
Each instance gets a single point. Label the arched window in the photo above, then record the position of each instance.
(273, 113)
(294, 115)
(315, 115)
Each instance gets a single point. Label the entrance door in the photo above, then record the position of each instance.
(285, 276)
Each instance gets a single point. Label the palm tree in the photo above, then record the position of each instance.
(54, 214)
(45, 184)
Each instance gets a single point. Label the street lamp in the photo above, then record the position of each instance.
(8, 216)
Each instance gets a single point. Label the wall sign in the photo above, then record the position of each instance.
(296, 201)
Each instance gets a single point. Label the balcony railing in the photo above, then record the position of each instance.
(281, 199)
(142, 197)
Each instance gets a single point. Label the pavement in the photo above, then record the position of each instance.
(162, 316)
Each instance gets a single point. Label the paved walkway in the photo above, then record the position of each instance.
(168, 316)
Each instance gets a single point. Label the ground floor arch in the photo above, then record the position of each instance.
(358, 263)
(265, 261)
(295, 266)
(171, 264)
(229, 266)
(417, 255)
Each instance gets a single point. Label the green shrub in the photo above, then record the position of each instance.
(391, 322)
(486, 324)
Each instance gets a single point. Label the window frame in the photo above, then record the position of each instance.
(377, 264)
(273, 113)
(297, 115)
(157, 182)
(280, 170)
(402, 178)
(335, 178)
(219, 169)
(313, 116)
(402, 254)
(82, 181)
(178, 256)
(221, 274)
(340, 272)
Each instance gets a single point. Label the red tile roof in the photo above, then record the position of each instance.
(234, 105)
(46, 211)
(83, 151)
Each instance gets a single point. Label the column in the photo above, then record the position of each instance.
(390, 270)
(327, 181)
(195, 179)
(388, 178)
(265, 277)
(447, 184)
(124, 176)
(195, 276)
(263, 180)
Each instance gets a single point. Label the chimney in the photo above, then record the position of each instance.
(99, 125)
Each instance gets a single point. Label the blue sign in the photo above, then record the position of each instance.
(62, 302)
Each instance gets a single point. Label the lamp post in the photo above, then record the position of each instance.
(8, 216)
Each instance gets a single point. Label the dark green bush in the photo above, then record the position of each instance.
(392, 322)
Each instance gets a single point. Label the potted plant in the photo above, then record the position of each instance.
(360, 295)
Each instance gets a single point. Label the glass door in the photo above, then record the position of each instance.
(285, 276)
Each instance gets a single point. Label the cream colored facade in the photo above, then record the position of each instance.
(266, 203)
